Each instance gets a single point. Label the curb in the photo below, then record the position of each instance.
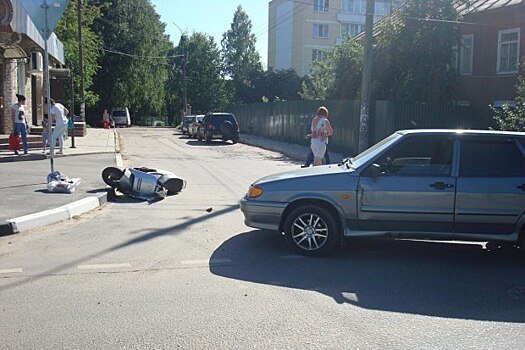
(52, 216)
(293, 155)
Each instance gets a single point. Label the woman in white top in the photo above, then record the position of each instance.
(321, 130)
(19, 120)
(58, 114)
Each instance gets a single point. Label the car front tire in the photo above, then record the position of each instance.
(207, 137)
(311, 230)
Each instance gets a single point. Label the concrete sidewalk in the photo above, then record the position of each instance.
(26, 203)
(291, 150)
(96, 141)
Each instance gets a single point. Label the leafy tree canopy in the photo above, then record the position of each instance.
(67, 31)
(338, 75)
(414, 53)
(240, 57)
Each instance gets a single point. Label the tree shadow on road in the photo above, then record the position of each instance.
(460, 281)
(213, 143)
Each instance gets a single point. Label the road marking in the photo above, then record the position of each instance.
(6, 271)
(104, 266)
(206, 262)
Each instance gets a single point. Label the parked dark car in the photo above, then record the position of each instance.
(222, 126)
(186, 122)
(418, 184)
(193, 128)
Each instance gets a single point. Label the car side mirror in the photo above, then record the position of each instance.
(375, 170)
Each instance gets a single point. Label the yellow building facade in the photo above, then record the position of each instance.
(301, 32)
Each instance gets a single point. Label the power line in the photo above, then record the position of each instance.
(138, 56)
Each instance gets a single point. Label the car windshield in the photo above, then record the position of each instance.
(119, 113)
(373, 151)
(199, 119)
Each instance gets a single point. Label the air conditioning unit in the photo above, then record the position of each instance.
(37, 64)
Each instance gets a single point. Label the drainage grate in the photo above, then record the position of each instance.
(516, 293)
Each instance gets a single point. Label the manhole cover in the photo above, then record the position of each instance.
(516, 293)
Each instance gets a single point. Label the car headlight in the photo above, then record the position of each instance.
(254, 192)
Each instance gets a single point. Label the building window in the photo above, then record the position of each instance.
(21, 77)
(321, 5)
(508, 51)
(320, 30)
(318, 55)
(349, 5)
(362, 7)
(351, 29)
(454, 59)
(382, 8)
(467, 54)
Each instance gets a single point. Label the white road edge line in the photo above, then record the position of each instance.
(104, 266)
(206, 262)
(6, 271)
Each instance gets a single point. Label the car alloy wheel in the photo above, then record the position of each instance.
(311, 230)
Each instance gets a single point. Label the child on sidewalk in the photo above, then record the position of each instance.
(45, 133)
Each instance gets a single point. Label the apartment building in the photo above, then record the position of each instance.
(300, 32)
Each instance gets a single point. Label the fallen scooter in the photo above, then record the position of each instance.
(143, 183)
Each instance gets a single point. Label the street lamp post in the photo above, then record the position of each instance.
(80, 64)
(47, 34)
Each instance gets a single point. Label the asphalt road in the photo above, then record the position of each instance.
(172, 275)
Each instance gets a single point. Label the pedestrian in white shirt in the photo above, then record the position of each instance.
(58, 114)
(19, 120)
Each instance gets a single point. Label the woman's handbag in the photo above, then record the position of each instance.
(14, 142)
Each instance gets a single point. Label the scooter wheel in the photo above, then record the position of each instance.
(111, 175)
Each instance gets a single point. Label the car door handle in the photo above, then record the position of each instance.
(441, 185)
(521, 187)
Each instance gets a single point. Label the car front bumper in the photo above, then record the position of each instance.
(262, 215)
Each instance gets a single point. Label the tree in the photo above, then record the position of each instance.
(135, 62)
(278, 85)
(66, 30)
(414, 53)
(338, 75)
(240, 57)
(513, 118)
(206, 85)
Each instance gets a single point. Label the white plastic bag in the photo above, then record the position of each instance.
(56, 182)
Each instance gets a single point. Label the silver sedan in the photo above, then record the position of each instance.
(424, 184)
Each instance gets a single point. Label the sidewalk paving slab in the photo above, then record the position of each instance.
(291, 150)
(26, 204)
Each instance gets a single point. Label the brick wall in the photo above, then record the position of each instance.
(9, 86)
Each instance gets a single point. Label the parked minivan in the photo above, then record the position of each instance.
(121, 117)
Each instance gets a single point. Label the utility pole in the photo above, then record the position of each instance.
(364, 120)
(184, 88)
(81, 62)
(72, 107)
(182, 44)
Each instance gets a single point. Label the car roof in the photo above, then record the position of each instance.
(460, 132)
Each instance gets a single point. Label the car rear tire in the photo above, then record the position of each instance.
(111, 175)
(235, 139)
(199, 137)
(311, 230)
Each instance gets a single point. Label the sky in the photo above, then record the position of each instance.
(214, 18)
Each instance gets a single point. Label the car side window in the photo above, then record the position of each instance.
(417, 156)
(491, 158)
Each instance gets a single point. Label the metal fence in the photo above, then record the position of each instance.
(290, 121)
(150, 121)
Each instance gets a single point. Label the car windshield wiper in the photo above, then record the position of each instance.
(347, 161)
